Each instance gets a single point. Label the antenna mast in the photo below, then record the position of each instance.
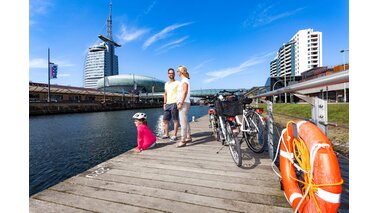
(109, 23)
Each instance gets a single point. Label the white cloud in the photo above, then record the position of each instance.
(38, 63)
(264, 15)
(173, 44)
(130, 34)
(200, 65)
(222, 73)
(64, 75)
(149, 8)
(40, 7)
(163, 34)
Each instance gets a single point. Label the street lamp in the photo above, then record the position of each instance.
(274, 86)
(343, 52)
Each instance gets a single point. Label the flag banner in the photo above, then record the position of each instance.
(53, 70)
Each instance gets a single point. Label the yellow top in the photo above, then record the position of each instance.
(171, 89)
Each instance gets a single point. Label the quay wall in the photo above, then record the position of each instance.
(62, 108)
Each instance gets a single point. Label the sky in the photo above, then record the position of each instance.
(224, 44)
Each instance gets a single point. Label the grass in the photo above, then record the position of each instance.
(337, 114)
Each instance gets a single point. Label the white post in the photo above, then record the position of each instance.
(285, 86)
(48, 74)
(343, 52)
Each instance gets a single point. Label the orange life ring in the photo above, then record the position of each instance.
(326, 183)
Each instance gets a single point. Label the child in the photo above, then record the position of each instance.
(146, 139)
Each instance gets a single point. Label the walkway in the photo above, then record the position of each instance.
(195, 178)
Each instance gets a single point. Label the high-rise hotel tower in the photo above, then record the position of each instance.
(101, 60)
(301, 53)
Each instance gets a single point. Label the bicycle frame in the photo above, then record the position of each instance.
(249, 129)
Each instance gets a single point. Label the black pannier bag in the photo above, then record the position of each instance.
(229, 108)
(247, 100)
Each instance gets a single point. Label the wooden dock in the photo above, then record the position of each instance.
(200, 177)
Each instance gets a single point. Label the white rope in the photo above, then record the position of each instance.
(275, 158)
(291, 159)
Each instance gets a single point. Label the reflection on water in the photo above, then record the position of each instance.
(61, 146)
(159, 127)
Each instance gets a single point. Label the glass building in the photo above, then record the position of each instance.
(99, 62)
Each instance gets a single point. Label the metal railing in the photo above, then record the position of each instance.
(319, 112)
(337, 78)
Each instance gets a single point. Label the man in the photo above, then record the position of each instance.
(170, 105)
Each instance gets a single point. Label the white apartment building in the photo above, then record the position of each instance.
(97, 64)
(301, 53)
(273, 67)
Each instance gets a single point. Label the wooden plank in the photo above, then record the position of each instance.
(225, 204)
(200, 177)
(115, 197)
(223, 156)
(253, 180)
(84, 202)
(198, 182)
(43, 206)
(229, 166)
(251, 197)
(220, 168)
(188, 169)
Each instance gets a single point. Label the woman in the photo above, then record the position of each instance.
(183, 105)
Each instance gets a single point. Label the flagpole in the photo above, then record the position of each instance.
(48, 74)
(104, 85)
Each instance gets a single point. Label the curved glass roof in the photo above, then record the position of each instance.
(125, 83)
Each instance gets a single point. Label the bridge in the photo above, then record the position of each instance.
(203, 93)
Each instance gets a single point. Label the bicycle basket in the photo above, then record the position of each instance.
(247, 100)
(228, 108)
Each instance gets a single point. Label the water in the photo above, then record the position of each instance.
(61, 146)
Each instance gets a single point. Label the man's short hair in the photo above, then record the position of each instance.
(169, 69)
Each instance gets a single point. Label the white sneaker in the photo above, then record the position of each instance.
(165, 137)
(173, 138)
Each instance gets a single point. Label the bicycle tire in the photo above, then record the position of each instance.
(255, 140)
(219, 132)
(215, 130)
(234, 146)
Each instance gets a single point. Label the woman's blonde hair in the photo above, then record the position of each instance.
(184, 71)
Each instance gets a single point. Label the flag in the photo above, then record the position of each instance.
(53, 70)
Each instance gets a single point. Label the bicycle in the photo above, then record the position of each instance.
(253, 127)
(213, 121)
(227, 106)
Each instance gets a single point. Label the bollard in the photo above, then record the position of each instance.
(193, 118)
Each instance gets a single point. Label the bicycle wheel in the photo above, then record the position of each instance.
(214, 129)
(255, 138)
(234, 145)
